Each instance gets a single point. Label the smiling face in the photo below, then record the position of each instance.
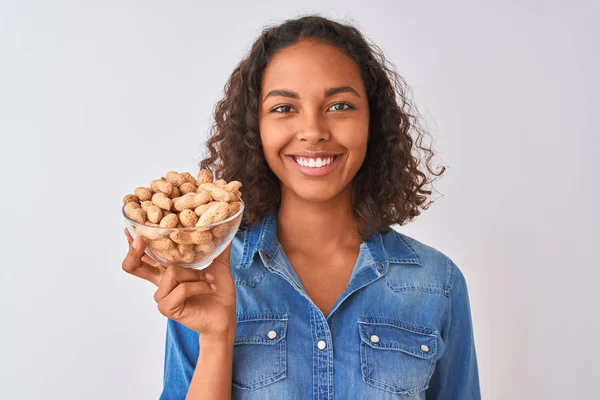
(313, 120)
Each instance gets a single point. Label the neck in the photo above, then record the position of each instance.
(316, 227)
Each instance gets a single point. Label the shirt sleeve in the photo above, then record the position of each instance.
(456, 374)
(182, 348)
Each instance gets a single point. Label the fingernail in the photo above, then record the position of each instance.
(213, 287)
(135, 244)
(209, 277)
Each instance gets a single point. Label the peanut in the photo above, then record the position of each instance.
(200, 209)
(146, 204)
(188, 218)
(233, 208)
(175, 192)
(175, 178)
(214, 214)
(204, 176)
(191, 200)
(183, 202)
(220, 183)
(194, 237)
(149, 233)
(130, 198)
(205, 248)
(161, 200)
(154, 214)
(187, 253)
(130, 206)
(189, 178)
(143, 193)
(233, 186)
(217, 193)
(169, 221)
(187, 187)
(135, 213)
(221, 230)
(170, 255)
(161, 244)
(160, 186)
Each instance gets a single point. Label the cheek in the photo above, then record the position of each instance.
(273, 141)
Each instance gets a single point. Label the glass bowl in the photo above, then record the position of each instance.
(194, 247)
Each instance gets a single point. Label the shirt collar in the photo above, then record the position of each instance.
(392, 247)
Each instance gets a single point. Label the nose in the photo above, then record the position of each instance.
(313, 129)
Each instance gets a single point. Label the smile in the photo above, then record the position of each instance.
(319, 166)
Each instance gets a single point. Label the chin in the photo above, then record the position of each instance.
(315, 193)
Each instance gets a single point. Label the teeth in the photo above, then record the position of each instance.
(313, 162)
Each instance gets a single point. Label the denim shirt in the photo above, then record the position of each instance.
(401, 329)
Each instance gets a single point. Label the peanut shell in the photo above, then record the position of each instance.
(161, 200)
(143, 193)
(204, 176)
(130, 198)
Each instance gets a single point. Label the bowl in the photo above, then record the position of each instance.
(193, 247)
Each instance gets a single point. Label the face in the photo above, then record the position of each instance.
(314, 120)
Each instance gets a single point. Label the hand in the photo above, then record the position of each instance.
(202, 300)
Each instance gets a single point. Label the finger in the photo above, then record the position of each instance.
(173, 304)
(145, 258)
(134, 265)
(149, 260)
(129, 238)
(175, 275)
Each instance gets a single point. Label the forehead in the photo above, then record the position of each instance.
(311, 64)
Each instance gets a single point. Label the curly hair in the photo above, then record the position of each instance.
(390, 186)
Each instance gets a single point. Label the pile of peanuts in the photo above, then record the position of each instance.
(178, 200)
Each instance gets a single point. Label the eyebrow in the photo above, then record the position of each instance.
(328, 92)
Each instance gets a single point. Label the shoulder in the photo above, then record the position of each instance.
(429, 267)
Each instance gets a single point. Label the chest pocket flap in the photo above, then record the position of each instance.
(379, 333)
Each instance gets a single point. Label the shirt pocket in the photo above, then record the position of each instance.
(395, 356)
(259, 352)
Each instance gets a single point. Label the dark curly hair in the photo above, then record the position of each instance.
(389, 188)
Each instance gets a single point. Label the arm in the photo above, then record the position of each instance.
(456, 372)
(212, 377)
(194, 368)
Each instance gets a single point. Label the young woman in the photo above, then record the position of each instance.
(316, 297)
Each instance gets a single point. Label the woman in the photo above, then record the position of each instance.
(316, 297)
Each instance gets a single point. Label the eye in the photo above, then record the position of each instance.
(283, 109)
(341, 107)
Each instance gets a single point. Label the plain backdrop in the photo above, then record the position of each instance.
(99, 97)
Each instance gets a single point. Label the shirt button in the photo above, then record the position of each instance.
(380, 266)
(267, 256)
(374, 339)
(424, 348)
(272, 335)
(321, 345)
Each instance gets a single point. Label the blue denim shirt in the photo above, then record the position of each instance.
(401, 330)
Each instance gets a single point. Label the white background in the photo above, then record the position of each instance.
(97, 98)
